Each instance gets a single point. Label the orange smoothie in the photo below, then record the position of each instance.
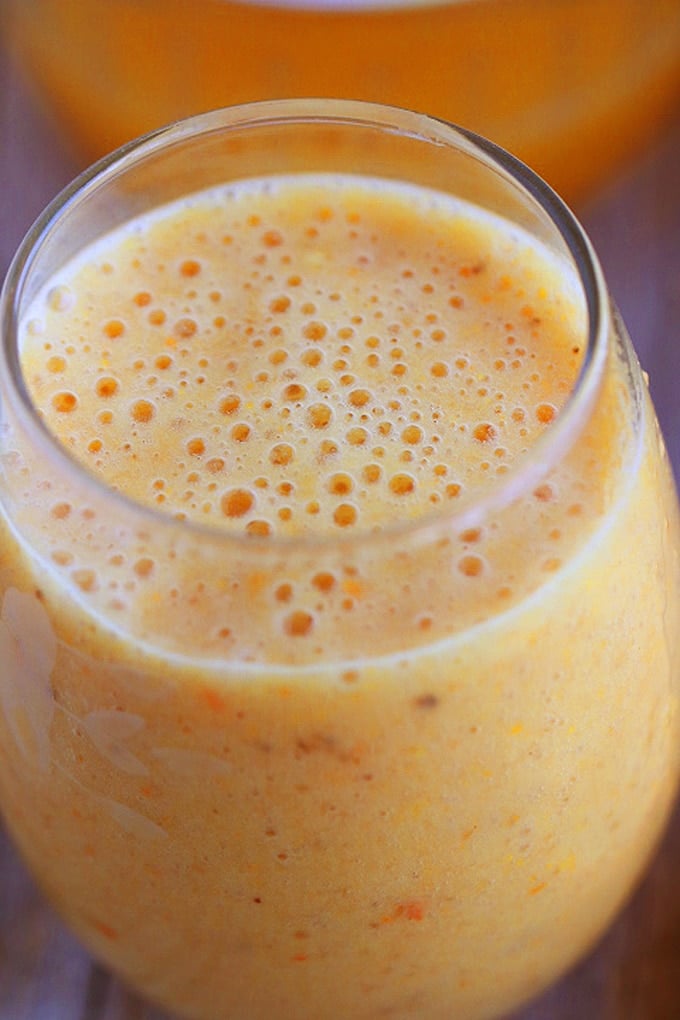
(547, 79)
(333, 729)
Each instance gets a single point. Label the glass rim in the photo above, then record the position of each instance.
(525, 472)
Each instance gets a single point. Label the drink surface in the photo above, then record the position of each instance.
(416, 781)
(295, 357)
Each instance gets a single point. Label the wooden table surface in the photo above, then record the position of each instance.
(634, 974)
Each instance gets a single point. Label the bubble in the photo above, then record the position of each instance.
(328, 448)
(106, 387)
(279, 304)
(56, 364)
(311, 358)
(545, 413)
(402, 484)
(60, 511)
(357, 436)
(142, 411)
(113, 329)
(237, 502)
(185, 328)
(319, 416)
(484, 432)
(295, 392)
(196, 447)
(299, 623)
(190, 268)
(64, 402)
(60, 299)
(346, 515)
(471, 535)
(259, 528)
(144, 567)
(62, 558)
(412, 434)
(359, 397)
(157, 316)
(272, 238)
(85, 579)
(340, 484)
(229, 404)
(315, 331)
(36, 327)
(324, 581)
(371, 473)
(240, 433)
(470, 565)
(281, 454)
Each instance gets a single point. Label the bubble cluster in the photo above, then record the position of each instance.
(301, 360)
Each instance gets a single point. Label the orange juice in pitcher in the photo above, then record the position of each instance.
(572, 88)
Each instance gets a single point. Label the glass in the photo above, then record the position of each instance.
(337, 774)
(546, 80)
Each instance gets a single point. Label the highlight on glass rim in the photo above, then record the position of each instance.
(575, 89)
(338, 571)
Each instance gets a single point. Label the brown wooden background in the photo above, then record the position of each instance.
(634, 974)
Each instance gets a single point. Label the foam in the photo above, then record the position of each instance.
(276, 358)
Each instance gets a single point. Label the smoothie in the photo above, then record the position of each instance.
(350, 692)
(548, 79)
